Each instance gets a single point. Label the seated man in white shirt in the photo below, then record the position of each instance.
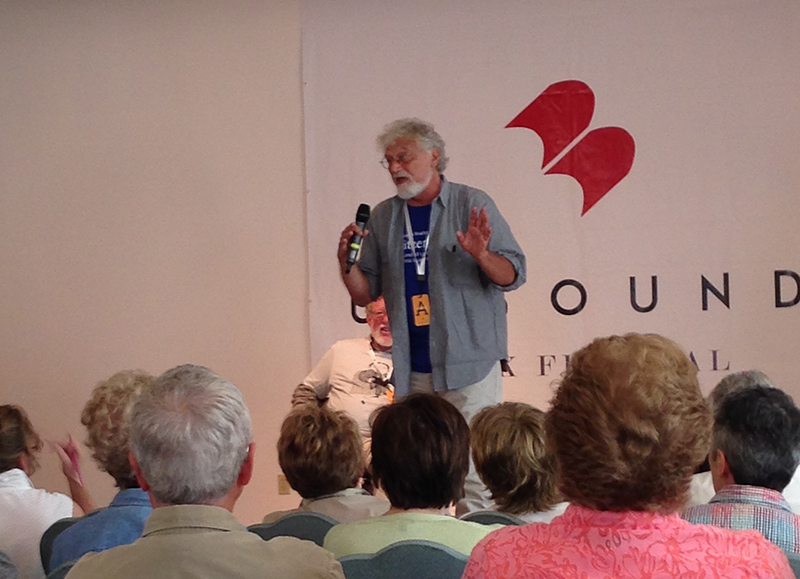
(354, 374)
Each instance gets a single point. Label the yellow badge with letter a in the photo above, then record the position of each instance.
(422, 310)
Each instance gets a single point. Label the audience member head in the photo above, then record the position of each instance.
(191, 438)
(756, 439)
(736, 381)
(420, 452)
(378, 322)
(510, 455)
(628, 425)
(320, 451)
(19, 443)
(106, 417)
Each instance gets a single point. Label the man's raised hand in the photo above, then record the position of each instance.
(475, 241)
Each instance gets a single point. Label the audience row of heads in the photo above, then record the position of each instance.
(627, 428)
(420, 453)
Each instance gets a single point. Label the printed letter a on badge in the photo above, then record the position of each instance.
(422, 310)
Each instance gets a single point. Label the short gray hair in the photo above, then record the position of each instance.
(190, 433)
(417, 130)
(736, 381)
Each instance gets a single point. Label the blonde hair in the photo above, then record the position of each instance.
(629, 425)
(510, 455)
(106, 417)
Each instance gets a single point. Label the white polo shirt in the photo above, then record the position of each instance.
(25, 514)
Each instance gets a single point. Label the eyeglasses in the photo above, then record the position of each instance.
(402, 159)
(377, 314)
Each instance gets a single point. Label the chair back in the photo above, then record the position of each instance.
(306, 525)
(415, 558)
(491, 518)
(794, 562)
(49, 537)
(61, 571)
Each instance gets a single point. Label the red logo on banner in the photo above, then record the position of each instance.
(599, 160)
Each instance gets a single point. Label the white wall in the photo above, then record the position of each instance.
(151, 208)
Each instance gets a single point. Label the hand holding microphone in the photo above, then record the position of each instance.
(350, 241)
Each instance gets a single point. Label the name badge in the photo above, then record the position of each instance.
(422, 310)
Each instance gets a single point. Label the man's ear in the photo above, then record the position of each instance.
(435, 156)
(720, 470)
(246, 472)
(724, 466)
(138, 473)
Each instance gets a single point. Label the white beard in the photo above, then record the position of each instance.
(385, 342)
(412, 188)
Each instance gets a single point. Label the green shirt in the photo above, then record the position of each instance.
(372, 535)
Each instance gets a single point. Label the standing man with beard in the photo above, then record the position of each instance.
(354, 375)
(442, 255)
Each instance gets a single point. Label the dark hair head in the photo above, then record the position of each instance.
(17, 439)
(758, 429)
(510, 455)
(420, 452)
(320, 451)
(629, 425)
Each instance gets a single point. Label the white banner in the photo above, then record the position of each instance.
(708, 91)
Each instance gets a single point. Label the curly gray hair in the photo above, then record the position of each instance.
(416, 130)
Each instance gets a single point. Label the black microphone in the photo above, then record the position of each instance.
(362, 216)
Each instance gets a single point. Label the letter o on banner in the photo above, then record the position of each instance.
(554, 297)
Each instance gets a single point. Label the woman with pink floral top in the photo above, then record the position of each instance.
(628, 426)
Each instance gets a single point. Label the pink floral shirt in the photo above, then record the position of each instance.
(587, 544)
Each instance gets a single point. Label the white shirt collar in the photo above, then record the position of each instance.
(15, 479)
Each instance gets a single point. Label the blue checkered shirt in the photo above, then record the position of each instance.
(742, 507)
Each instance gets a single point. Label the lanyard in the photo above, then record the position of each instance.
(419, 262)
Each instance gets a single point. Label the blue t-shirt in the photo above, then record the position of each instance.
(419, 337)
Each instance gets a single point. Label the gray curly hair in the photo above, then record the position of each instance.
(416, 130)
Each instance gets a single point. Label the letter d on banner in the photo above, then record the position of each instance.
(779, 303)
